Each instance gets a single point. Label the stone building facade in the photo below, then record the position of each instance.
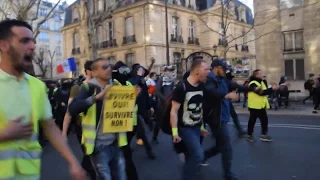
(137, 31)
(289, 43)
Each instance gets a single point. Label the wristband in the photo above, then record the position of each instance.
(174, 131)
(202, 127)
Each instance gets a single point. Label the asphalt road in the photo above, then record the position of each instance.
(294, 155)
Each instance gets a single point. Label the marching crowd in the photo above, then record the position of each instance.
(184, 109)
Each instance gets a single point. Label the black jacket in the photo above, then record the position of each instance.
(82, 102)
(143, 99)
(212, 103)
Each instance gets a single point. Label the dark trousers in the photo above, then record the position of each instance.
(235, 118)
(141, 133)
(262, 115)
(158, 118)
(131, 170)
(86, 162)
(223, 146)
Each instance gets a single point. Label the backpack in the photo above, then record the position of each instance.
(308, 84)
(165, 119)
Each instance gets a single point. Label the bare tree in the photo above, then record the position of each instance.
(44, 60)
(26, 11)
(94, 18)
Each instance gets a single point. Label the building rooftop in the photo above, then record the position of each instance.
(201, 5)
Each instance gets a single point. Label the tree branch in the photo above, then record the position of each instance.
(36, 31)
(37, 13)
(205, 23)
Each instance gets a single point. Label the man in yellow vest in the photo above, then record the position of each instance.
(258, 104)
(103, 148)
(24, 106)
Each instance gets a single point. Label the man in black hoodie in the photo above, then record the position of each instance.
(143, 101)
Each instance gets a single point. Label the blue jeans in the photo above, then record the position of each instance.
(194, 152)
(223, 146)
(109, 162)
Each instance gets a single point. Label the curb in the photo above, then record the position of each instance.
(285, 115)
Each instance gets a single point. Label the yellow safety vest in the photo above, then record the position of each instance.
(256, 101)
(25, 157)
(89, 130)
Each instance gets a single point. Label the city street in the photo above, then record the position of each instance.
(294, 155)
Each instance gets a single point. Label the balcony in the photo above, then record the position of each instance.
(75, 51)
(107, 44)
(129, 39)
(222, 42)
(176, 38)
(244, 48)
(193, 40)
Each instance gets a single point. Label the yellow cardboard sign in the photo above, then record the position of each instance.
(119, 109)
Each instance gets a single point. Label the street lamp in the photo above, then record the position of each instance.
(214, 47)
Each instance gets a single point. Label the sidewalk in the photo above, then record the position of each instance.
(295, 109)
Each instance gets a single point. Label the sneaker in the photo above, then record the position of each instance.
(204, 163)
(266, 138)
(242, 134)
(140, 142)
(315, 112)
(182, 157)
(250, 138)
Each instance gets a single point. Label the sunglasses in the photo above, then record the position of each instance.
(106, 66)
(123, 70)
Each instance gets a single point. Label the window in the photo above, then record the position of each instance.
(112, 60)
(293, 41)
(294, 69)
(100, 34)
(58, 51)
(57, 26)
(244, 38)
(57, 17)
(45, 25)
(129, 26)
(129, 59)
(76, 42)
(100, 5)
(175, 26)
(242, 15)
(75, 14)
(43, 36)
(42, 12)
(192, 32)
(58, 38)
(110, 31)
(286, 4)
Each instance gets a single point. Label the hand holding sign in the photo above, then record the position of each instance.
(102, 94)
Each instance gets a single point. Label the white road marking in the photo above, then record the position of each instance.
(293, 126)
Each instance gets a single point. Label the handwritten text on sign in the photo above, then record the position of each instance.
(119, 109)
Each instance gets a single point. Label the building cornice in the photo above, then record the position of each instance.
(70, 26)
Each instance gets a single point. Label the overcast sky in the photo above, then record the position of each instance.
(247, 2)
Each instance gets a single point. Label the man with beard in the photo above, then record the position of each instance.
(24, 106)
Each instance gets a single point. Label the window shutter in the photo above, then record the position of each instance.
(129, 26)
(300, 69)
(288, 44)
(288, 69)
(298, 40)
